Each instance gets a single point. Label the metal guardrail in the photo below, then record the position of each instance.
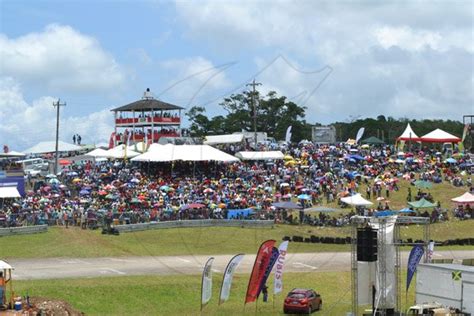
(10, 231)
(195, 223)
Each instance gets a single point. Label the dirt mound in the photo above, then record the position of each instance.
(49, 307)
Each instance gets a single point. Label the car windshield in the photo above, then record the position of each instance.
(296, 295)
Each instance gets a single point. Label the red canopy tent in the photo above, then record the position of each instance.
(440, 136)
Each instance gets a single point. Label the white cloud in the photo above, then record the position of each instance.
(24, 125)
(59, 59)
(405, 59)
(407, 38)
(192, 78)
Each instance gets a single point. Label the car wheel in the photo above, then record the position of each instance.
(310, 310)
(320, 306)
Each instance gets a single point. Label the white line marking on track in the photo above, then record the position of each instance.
(215, 270)
(115, 271)
(305, 265)
(184, 260)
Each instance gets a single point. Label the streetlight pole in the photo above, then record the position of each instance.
(254, 106)
(57, 105)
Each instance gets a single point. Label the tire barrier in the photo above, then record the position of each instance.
(23, 230)
(347, 241)
(194, 223)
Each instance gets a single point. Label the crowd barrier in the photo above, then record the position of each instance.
(23, 230)
(195, 223)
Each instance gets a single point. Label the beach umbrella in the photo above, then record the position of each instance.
(135, 201)
(304, 197)
(84, 192)
(53, 181)
(65, 162)
(102, 192)
(111, 197)
(287, 205)
(322, 209)
(134, 180)
(423, 184)
(208, 190)
(451, 160)
(164, 188)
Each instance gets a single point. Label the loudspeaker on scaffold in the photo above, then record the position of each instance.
(367, 244)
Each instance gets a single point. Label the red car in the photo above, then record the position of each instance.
(302, 300)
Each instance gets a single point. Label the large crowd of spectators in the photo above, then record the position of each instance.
(88, 194)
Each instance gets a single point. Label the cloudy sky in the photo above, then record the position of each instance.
(341, 59)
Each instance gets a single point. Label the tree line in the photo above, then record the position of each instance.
(275, 113)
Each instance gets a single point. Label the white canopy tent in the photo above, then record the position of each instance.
(224, 139)
(9, 192)
(5, 266)
(157, 153)
(356, 200)
(12, 154)
(138, 147)
(102, 145)
(440, 136)
(408, 135)
(170, 152)
(259, 155)
(49, 147)
(97, 153)
(466, 198)
(119, 152)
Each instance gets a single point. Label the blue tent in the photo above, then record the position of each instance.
(239, 212)
(406, 211)
(385, 213)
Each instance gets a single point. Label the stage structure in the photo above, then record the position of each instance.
(146, 120)
(379, 268)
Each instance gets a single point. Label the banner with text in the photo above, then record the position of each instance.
(415, 256)
(228, 275)
(206, 285)
(278, 282)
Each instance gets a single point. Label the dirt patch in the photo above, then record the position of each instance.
(46, 307)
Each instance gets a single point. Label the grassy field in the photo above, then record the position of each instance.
(180, 295)
(74, 242)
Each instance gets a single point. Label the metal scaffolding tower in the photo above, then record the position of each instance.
(362, 221)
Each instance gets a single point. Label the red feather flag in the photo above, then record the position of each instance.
(261, 263)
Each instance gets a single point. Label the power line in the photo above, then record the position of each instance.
(57, 105)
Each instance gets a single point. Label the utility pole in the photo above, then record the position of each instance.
(57, 105)
(254, 105)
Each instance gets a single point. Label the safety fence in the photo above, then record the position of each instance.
(23, 230)
(195, 223)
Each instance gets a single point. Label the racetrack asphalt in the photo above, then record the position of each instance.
(58, 268)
